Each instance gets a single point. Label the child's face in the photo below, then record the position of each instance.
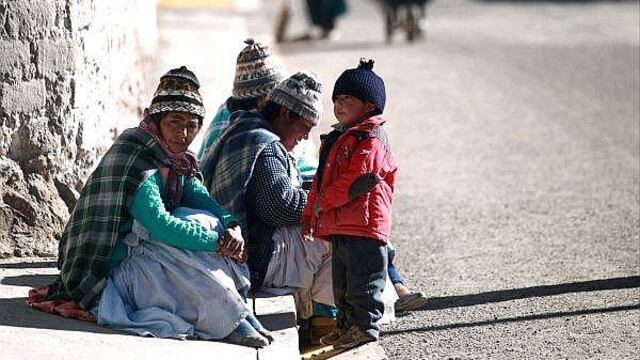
(350, 110)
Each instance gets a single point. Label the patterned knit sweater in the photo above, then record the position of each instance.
(274, 199)
(249, 172)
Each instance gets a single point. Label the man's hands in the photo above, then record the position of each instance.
(306, 230)
(231, 243)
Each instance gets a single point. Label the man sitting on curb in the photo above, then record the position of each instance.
(248, 169)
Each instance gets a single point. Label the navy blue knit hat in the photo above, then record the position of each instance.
(363, 84)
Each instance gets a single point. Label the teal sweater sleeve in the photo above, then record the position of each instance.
(148, 209)
(196, 196)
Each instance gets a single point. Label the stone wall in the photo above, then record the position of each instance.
(72, 72)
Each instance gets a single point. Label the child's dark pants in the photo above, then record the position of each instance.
(359, 276)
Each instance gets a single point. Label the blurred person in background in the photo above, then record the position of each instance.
(324, 14)
(321, 19)
(409, 15)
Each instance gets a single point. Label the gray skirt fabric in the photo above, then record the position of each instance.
(300, 268)
(163, 291)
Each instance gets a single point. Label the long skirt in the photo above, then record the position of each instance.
(163, 291)
(323, 13)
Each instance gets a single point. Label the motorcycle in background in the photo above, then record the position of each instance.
(407, 15)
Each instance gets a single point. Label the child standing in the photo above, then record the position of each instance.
(350, 204)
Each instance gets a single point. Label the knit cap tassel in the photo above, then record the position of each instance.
(366, 64)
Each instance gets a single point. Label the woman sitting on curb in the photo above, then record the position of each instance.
(146, 249)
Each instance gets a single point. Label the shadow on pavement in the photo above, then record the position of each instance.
(558, 1)
(28, 280)
(446, 302)
(14, 312)
(515, 319)
(29, 265)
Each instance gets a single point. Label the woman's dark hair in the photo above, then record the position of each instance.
(244, 104)
(270, 112)
(157, 117)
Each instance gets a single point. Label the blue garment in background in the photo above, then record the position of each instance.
(393, 273)
(218, 125)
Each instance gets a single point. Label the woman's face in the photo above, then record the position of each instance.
(179, 130)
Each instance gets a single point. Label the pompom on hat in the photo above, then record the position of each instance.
(178, 92)
(363, 84)
(300, 93)
(256, 74)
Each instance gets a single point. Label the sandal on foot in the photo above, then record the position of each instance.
(411, 302)
(353, 337)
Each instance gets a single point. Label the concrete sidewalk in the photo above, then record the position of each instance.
(27, 333)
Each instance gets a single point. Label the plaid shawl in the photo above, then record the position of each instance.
(90, 236)
(228, 164)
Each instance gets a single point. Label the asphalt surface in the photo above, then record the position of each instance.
(516, 127)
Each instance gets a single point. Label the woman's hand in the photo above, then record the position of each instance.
(232, 244)
(240, 257)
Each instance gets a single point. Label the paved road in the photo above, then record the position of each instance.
(516, 125)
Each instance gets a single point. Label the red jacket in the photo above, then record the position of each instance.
(357, 182)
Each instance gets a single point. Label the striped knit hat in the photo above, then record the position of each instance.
(256, 74)
(300, 93)
(178, 92)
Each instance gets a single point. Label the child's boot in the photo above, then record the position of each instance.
(352, 338)
(332, 338)
(320, 326)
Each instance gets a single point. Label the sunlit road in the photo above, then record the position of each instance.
(516, 125)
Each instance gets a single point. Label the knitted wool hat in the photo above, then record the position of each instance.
(256, 74)
(178, 92)
(300, 93)
(363, 84)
